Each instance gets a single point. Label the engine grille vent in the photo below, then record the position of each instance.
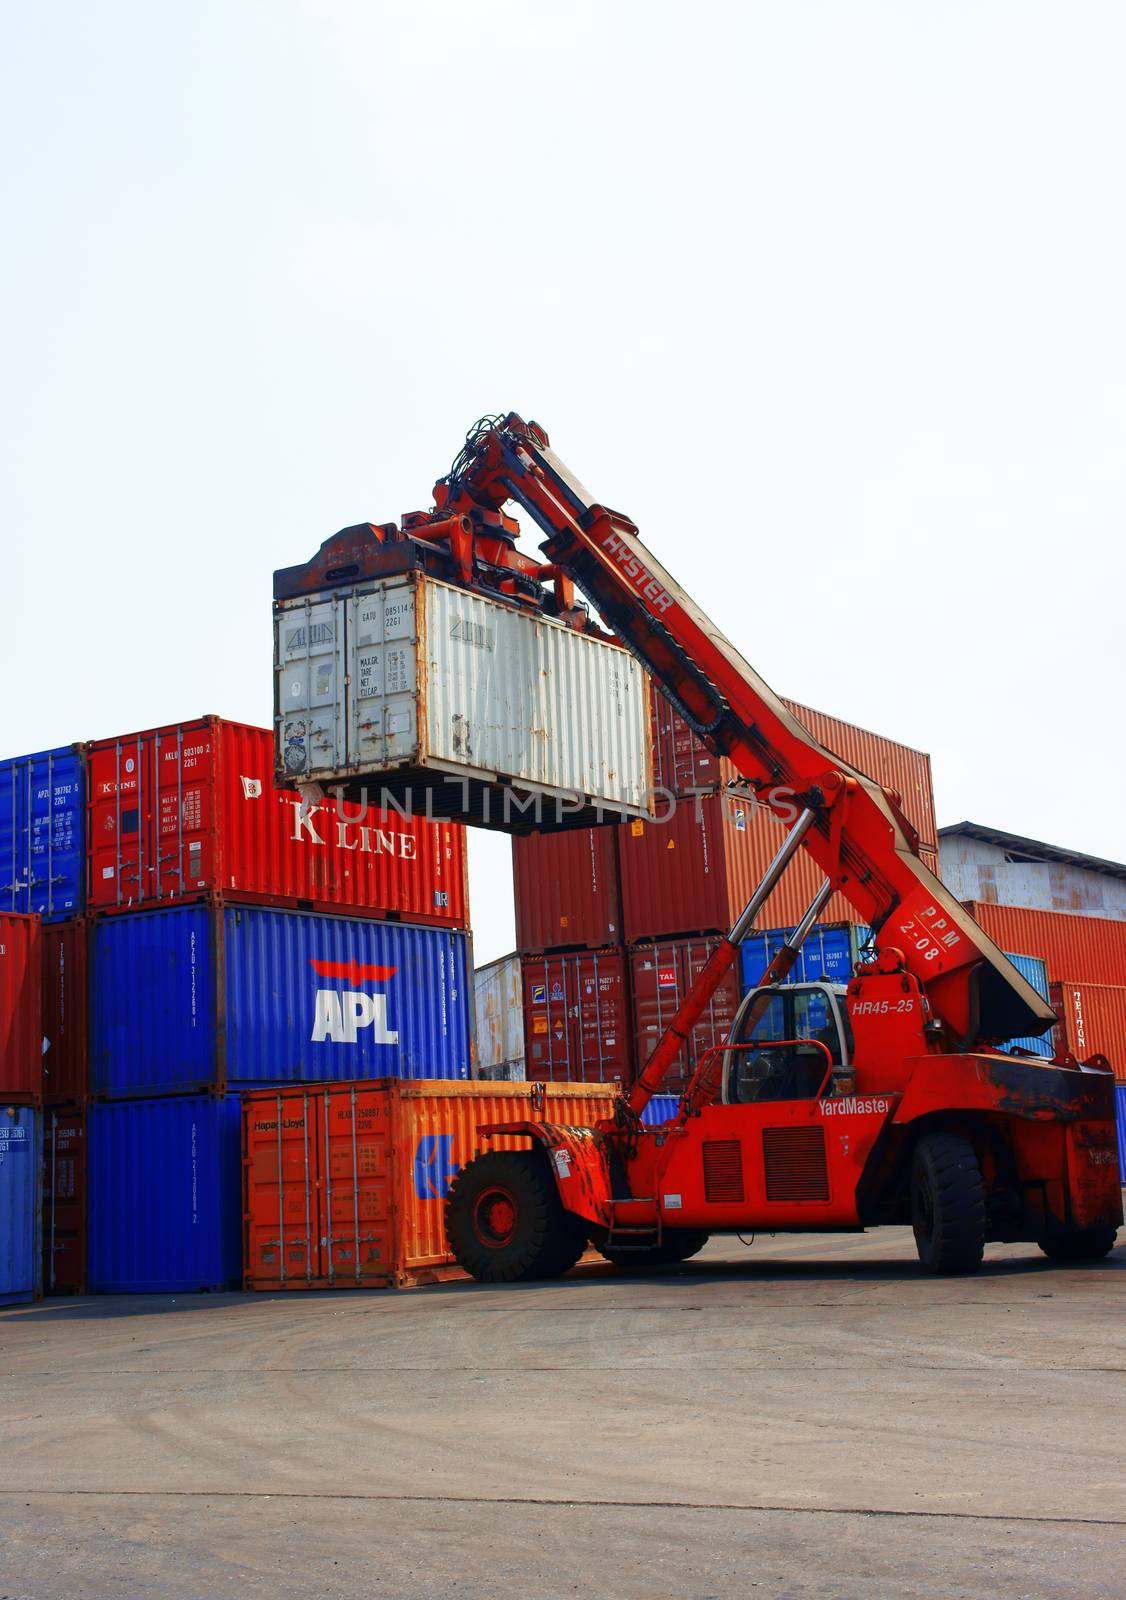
(794, 1163)
(723, 1170)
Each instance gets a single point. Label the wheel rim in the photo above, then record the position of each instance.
(494, 1217)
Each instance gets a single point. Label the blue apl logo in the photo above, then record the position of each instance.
(434, 1166)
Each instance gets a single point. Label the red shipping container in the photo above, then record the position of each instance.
(21, 1009)
(683, 765)
(64, 1200)
(1075, 948)
(191, 809)
(1092, 1021)
(66, 1035)
(577, 1026)
(566, 889)
(661, 976)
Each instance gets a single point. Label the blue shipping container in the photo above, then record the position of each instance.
(20, 1267)
(164, 1206)
(195, 998)
(661, 1108)
(829, 951)
(1120, 1110)
(1033, 971)
(43, 833)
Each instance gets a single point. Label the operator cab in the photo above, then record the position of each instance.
(780, 1066)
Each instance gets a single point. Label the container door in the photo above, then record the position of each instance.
(282, 1201)
(356, 1240)
(19, 1204)
(64, 1202)
(381, 633)
(309, 646)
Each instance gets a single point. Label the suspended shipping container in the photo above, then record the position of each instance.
(1092, 1021)
(19, 1204)
(412, 688)
(345, 1186)
(199, 998)
(43, 833)
(498, 1000)
(661, 976)
(21, 1008)
(577, 1023)
(191, 809)
(165, 1200)
(64, 1200)
(66, 1029)
(566, 890)
(1079, 949)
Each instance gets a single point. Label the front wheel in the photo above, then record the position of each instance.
(947, 1204)
(677, 1244)
(1080, 1244)
(504, 1220)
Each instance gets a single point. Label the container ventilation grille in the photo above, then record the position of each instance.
(723, 1171)
(794, 1163)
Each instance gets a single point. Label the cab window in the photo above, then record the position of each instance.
(775, 1071)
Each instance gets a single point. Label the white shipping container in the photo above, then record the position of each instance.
(409, 686)
(498, 996)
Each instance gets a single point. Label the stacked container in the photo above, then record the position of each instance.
(241, 937)
(614, 924)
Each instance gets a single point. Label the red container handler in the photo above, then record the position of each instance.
(1076, 948)
(1092, 1021)
(660, 977)
(566, 889)
(21, 1009)
(66, 1020)
(64, 1200)
(577, 1025)
(191, 809)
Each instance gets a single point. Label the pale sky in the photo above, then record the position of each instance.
(828, 298)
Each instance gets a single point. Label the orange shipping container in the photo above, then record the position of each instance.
(1074, 948)
(345, 1184)
(1093, 1021)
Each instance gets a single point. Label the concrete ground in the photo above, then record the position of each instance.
(809, 1417)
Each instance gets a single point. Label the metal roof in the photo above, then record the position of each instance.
(1034, 849)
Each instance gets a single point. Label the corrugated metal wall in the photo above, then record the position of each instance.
(21, 1008)
(498, 998)
(43, 833)
(19, 1204)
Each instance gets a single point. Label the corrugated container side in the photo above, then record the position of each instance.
(1093, 1021)
(64, 1200)
(661, 976)
(66, 1021)
(682, 763)
(43, 833)
(498, 999)
(566, 889)
(21, 1008)
(660, 1109)
(345, 1186)
(164, 1205)
(577, 1024)
(1120, 1115)
(829, 952)
(1075, 949)
(20, 1270)
(193, 998)
(1033, 971)
(191, 809)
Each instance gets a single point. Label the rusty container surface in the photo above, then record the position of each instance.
(577, 1021)
(64, 1200)
(661, 976)
(191, 809)
(1077, 949)
(566, 890)
(66, 1022)
(1092, 1021)
(21, 1009)
(498, 1007)
(344, 1185)
(683, 765)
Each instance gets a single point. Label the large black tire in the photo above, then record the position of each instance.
(504, 1220)
(676, 1245)
(947, 1204)
(1081, 1244)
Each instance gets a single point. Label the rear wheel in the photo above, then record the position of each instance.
(1080, 1244)
(947, 1204)
(676, 1245)
(504, 1220)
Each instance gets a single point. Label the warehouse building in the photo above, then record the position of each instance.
(990, 867)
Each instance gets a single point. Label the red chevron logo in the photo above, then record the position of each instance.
(352, 971)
